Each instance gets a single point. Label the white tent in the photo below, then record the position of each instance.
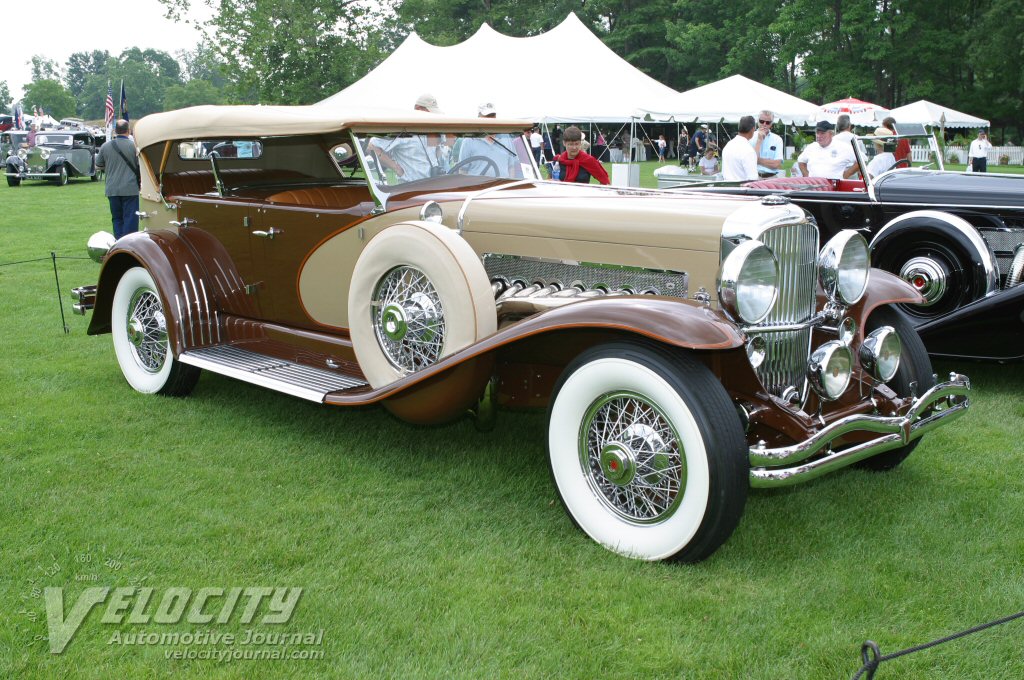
(522, 77)
(926, 113)
(728, 100)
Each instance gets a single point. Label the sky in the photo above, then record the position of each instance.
(71, 27)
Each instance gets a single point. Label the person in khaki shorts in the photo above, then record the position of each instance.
(121, 162)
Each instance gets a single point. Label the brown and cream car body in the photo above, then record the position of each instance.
(686, 347)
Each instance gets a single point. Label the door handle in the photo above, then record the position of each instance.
(185, 222)
(269, 233)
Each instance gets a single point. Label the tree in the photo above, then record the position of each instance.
(293, 51)
(5, 96)
(79, 67)
(44, 69)
(50, 96)
(193, 93)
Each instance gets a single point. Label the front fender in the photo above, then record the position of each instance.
(683, 323)
(883, 289)
(191, 305)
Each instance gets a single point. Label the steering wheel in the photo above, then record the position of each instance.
(471, 159)
(901, 163)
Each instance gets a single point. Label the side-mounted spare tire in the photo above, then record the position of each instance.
(419, 293)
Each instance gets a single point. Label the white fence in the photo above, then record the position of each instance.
(1015, 154)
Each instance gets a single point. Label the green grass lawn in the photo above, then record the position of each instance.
(444, 552)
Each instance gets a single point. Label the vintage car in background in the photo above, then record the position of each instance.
(58, 155)
(6, 123)
(957, 237)
(685, 347)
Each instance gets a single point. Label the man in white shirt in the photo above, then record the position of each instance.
(978, 153)
(843, 139)
(411, 157)
(739, 160)
(767, 146)
(536, 144)
(823, 157)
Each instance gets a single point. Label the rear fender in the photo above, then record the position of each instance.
(192, 306)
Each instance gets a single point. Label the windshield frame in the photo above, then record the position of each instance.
(860, 142)
(382, 185)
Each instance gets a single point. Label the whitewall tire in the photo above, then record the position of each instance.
(141, 344)
(419, 293)
(647, 452)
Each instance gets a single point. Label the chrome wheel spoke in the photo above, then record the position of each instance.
(408, 319)
(147, 331)
(632, 457)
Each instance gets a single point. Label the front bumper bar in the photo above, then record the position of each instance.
(773, 467)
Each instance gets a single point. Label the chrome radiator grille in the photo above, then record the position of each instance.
(785, 364)
(1003, 242)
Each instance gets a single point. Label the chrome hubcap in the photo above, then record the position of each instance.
(146, 329)
(408, 319)
(618, 464)
(632, 458)
(394, 323)
(927, 276)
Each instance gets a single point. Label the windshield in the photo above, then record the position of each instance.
(882, 153)
(51, 139)
(400, 158)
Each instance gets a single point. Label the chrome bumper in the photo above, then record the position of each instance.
(949, 399)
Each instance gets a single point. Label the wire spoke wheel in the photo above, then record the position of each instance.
(147, 330)
(646, 451)
(632, 457)
(408, 319)
(139, 331)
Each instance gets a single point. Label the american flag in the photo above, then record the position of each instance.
(109, 107)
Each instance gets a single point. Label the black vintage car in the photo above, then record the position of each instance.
(56, 155)
(958, 237)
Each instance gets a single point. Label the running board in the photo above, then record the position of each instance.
(280, 375)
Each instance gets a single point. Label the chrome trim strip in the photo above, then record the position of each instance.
(188, 308)
(181, 320)
(816, 320)
(477, 194)
(898, 431)
(199, 307)
(206, 303)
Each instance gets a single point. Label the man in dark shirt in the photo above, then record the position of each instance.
(120, 160)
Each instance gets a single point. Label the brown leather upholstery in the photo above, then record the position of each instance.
(793, 184)
(322, 197)
(201, 181)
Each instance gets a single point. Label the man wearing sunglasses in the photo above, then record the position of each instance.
(768, 146)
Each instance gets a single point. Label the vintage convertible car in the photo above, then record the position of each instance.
(57, 155)
(686, 347)
(957, 237)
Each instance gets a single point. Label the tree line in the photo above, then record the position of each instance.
(969, 56)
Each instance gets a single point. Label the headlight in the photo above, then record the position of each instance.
(880, 353)
(748, 282)
(843, 266)
(829, 369)
(44, 153)
(22, 154)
